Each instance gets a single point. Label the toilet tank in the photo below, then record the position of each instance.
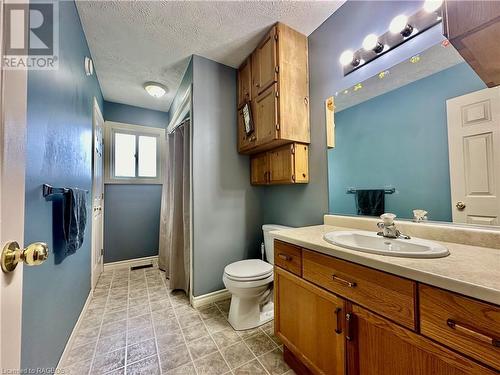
(268, 240)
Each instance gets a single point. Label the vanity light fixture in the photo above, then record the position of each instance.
(371, 43)
(399, 24)
(431, 6)
(403, 27)
(155, 89)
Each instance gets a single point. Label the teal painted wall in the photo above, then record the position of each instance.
(132, 212)
(399, 139)
(59, 152)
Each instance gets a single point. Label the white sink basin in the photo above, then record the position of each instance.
(370, 242)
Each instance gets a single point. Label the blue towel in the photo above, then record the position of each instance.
(74, 219)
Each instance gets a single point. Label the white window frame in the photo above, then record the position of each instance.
(111, 128)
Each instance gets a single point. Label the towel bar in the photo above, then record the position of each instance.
(386, 191)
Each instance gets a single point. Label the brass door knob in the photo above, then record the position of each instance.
(460, 205)
(33, 255)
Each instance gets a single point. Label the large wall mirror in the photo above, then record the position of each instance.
(422, 135)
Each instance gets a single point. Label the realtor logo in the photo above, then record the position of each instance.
(31, 36)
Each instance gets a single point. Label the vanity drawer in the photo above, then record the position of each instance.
(388, 295)
(288, 257)
(466, 325)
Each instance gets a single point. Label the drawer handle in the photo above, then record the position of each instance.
(472, 333)
(350, 284)
(288, 258)
(338, 328)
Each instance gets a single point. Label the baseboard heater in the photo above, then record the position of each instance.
(140, 267)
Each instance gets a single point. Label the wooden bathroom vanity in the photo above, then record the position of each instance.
(339, 317)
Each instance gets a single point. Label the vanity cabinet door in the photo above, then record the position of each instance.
(377, 346)
(309, 321)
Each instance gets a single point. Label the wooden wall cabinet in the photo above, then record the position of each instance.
(473, 27)
(388, 324)
(284, 165)
(245, 82)
(278, 74)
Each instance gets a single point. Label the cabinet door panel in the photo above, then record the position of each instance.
(378, 346)
(309, 321)
(245, 82)
(259, 169)
(266, 116)
(267, 62)
(281, 165)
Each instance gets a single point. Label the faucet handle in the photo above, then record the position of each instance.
(388, 218)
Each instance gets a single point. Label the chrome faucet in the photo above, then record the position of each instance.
(388, 227)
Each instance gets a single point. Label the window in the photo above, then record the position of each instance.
(133, 154)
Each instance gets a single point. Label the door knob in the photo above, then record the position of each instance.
(460, 205)
(33, 255)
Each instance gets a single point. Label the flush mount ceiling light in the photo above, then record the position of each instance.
(371, 43)
(155, 89)
(399, 24)
(431, 6)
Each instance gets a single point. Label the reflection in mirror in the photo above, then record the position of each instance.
(421, 140)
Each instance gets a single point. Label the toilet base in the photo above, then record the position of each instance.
(248, 313)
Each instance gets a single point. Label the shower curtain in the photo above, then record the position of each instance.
(174, 246)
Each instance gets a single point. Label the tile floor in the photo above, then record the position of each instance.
(136, 325)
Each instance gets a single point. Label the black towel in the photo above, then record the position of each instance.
(74, 219)
(370, 202)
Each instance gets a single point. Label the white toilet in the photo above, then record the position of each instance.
(250, 284)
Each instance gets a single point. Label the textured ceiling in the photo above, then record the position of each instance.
(137, 41)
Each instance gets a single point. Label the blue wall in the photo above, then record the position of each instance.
(59, 152)
(226, 208)
(399, 139)
(345, 29)
(132, 212)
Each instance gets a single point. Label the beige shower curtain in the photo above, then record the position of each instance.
(174, 251)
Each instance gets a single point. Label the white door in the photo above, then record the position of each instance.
(474, 149)
(97, 195)
(13, 86)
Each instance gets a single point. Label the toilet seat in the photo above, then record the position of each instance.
(248, 270)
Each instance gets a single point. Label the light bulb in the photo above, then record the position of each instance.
(398, 24)
(432, 5)
(370, 42)
(156, 90)
(346, 57)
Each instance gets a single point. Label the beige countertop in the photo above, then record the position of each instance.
(469, 270)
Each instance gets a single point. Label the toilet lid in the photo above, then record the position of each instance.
(248, 269)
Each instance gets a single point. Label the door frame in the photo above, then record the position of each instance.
(13, 120)
(93, 276)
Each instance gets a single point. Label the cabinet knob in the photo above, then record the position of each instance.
(306, 100)
(460, 205)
